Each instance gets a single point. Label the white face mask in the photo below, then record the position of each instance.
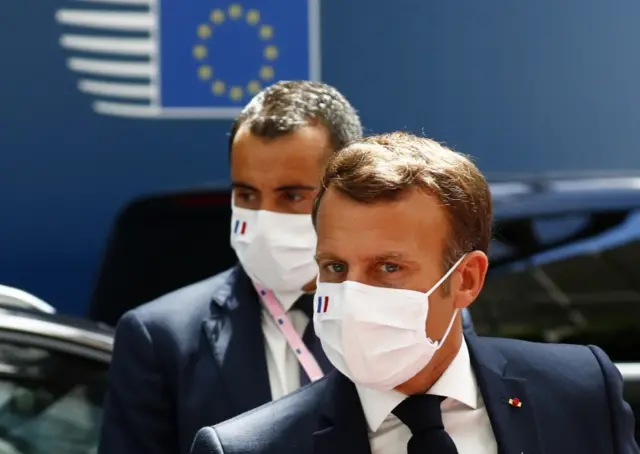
(376, 335)
(275, 249)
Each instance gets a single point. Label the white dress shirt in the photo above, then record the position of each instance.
(464, 414)
(282, 365)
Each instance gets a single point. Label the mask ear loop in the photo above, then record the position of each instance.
(433, 289)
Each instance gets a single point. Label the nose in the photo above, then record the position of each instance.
(357, 274)
(268, 203)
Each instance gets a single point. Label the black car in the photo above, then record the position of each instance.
(563, 262)
(53, 373)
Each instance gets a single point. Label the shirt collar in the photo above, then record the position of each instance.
(458, 382)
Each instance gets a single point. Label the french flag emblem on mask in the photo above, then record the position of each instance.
(322, 305)
(240, 227)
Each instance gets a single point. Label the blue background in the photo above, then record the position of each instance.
(235, 50)
(523, 86)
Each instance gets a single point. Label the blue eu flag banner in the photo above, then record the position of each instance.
(215, 55)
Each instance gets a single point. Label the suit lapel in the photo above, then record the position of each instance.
(342, 426)
(515, 428)
(235, 334)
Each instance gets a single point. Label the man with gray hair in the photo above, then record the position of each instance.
(212, 350)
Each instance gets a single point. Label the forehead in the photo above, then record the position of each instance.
(414, 225)
(297, 153)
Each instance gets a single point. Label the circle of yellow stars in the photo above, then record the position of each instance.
(206, 73)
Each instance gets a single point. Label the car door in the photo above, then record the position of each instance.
(51, 389)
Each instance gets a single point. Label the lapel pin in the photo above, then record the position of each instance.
(515, 402)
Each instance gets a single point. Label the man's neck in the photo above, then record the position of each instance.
(424, 380)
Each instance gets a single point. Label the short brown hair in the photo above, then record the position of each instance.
(386, 166)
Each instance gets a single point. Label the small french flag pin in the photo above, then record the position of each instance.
(323, 304)
(515, 402)
(240, 227)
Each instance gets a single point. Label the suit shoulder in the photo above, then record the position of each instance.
(564, 362)
(292, 415)
(538, 350)
(183, 305)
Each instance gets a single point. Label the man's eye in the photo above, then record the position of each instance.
(335, 267)
(246, 196)
(389, 267)
(293, 197)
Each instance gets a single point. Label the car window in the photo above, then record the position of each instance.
(583, 287)
(50, 402)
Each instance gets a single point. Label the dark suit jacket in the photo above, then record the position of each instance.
(191, 358)
(571, 403)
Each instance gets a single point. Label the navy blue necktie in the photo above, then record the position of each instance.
(305, 304)
(423, 416)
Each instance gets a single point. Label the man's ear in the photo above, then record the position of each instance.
(472, 271)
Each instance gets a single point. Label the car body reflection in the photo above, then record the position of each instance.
(53, 374)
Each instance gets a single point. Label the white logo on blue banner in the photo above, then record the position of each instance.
(187, 58)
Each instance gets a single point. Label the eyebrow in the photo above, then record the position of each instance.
(324, 256)
(296, 187)
(389, 255)
(392, 255)
(240, 185)
(288, 187)
(380, 257)
(396, 256)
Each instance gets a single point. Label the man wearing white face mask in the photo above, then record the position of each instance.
(403, 228)
(210, 351)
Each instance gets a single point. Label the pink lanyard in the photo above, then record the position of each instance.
(305, 358)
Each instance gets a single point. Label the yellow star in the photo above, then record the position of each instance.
(199, 51)
(266, 73)
(253, 17)
(266, 32)
(271, 52)
(253, 87)
(204, 31)
(218, 87)
(235, 11)
(236, 93)
(217, 16)
(205, 72)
